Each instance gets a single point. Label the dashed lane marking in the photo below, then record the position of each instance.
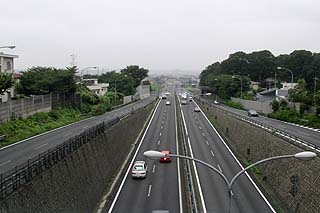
(212, 153)
(149, 190)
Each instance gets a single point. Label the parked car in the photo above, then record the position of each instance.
(167, 102)
(139, 169)
(166, 159)
(197, 109)
(253, 113)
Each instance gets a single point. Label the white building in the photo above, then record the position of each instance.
(287, 86)
(7, 66)
(94, 86)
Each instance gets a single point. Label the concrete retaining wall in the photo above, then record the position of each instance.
(293, 182)
(263, 107)
(77, 183)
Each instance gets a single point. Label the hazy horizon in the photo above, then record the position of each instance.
(160, 36)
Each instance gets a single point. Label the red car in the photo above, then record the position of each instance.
(166, 159)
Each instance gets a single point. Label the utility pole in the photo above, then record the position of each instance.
(314, 92)
(115, 91)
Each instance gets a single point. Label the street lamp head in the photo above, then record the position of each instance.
(154, 154)
(305, 156)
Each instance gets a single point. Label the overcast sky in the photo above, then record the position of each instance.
(158, 35)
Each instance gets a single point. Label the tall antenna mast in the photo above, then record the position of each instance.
(73, 59)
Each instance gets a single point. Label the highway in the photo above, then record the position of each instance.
(160, 189)
(206, 145)
(21, 152)
(306, 134)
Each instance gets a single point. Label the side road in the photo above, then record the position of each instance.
(21, 151)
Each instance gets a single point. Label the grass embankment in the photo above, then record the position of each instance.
(20, 129)
(292, 116)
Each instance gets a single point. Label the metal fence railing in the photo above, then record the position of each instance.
(279, 133)
(12, 179)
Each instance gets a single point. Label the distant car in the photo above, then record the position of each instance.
(167, 93)
(216, 102)
(253, 113)
(208, 94)
(183, 102)
(166, 159)
(197, 109)
(139, 169)
(167, 102)
(164, 97)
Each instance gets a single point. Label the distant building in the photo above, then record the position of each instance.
(7, 63)
(287, 86)
(93, 85)
(7, 66)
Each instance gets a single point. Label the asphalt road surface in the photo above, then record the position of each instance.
(160, 189)
(17, 154)
(208, 146)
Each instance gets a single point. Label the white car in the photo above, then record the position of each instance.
(216, 102)
(139, 169)
(197, 109)
(253, 113)
(167, 102)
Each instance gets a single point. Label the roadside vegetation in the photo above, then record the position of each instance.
(45, 80)
(20, 129)
(231, 78)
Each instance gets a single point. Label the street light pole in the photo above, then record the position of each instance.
(81, 84)
(283, 68)
(301, 156)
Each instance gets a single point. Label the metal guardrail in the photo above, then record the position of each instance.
(14, 178)
(279, 133)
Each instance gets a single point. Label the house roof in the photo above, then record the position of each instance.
(8, 55)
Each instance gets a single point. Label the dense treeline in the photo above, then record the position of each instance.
(261, 65)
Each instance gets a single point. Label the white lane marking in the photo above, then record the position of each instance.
(219, 168)
(129, 167)
(85, 127)
(207, 142)
(202, 134)
(160, 133)
(39, 147)
(178, 159)
(199, 127)
(161, 127)
(194, 166)
(149, 190)
(231, 193)
(212, 153)
(8, 161)
(158, 142)
(234, 157)
(162, 122)
(68, 134)
(153, 168)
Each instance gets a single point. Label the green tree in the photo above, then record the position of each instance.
(5, 82)
(125, 84)
(135, 72)
(44, 80)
